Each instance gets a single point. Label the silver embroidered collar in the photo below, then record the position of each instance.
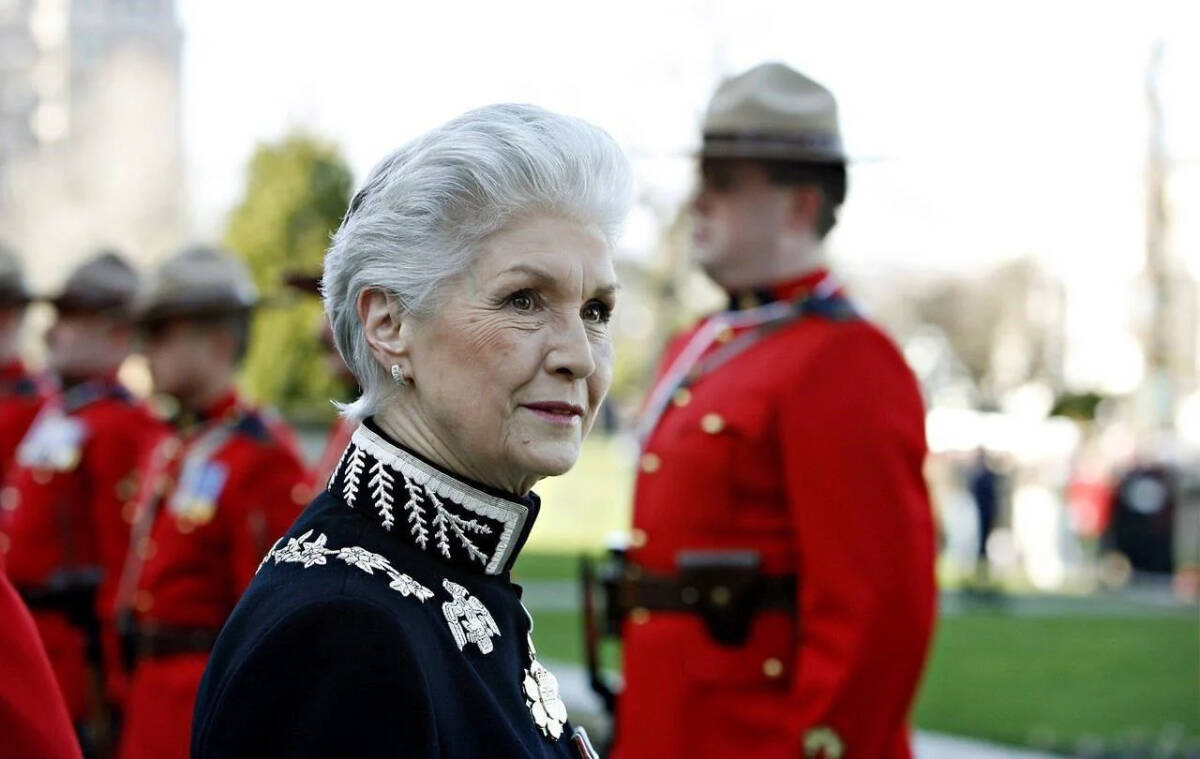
(440, 513)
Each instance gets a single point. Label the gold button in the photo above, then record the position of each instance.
(772, 668)
(720, 595)
(682, 397)
(712, 423)
(146, 549)
(10, 498)
(42, 476)
(637, 538)
(300, 495)
(127, 487)
(185, 525)
(639, 615)
(725, 334)
(129, 511)
(689, 595)
(823, 742)
(143, 601)
(170, 447)
(650, 463)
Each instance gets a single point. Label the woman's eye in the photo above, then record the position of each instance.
(522, 301)
(597, 312)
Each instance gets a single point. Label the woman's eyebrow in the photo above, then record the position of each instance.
(546, 279)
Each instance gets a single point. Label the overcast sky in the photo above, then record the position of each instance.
(981, 131)
(965, 117)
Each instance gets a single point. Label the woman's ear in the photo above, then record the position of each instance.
(382, 319)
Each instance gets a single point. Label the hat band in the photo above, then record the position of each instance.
(815, 147)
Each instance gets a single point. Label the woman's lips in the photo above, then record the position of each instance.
(565, 414)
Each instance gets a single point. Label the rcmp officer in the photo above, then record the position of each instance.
(779, 593)
(217, 494)
(67, 496)
(21, 393)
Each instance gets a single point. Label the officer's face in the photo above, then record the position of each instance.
(84, 344)
(511, 369)
(737, 216)
(187, 359)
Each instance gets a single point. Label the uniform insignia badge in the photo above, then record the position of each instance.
(200, 485)
(468, 618)
(54, 443)
(541, 696)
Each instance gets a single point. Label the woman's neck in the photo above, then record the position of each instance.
(411, 429)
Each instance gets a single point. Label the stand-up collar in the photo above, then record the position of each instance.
(791, 289)
(449, 517)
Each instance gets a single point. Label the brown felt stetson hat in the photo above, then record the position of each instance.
(197, 282)
(104, 283)
(772, 112)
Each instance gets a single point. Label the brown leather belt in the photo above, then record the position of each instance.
(159, 641)
(727, 599)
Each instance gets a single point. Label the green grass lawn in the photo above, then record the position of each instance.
(1027, 680)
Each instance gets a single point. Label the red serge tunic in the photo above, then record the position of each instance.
(67, 505)
(806, 448)
(216, 499)
(33, 718)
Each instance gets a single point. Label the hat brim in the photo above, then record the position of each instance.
(304, 282)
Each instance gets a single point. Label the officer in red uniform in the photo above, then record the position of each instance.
(779, 594)
(67, 496)
(217, 495)
(21, 393)
(343, 428)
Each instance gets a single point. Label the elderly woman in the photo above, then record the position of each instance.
(469, 288)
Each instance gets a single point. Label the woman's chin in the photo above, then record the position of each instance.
(550, 459)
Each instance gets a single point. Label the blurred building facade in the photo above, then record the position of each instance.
(90, 129)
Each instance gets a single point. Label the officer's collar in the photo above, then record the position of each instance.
(228, 407)
(790, 289)
(81, 392)
(448, 517)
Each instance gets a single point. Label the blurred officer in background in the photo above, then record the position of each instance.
(21, 393)
(216, 495)
(343, 428)
(67, 499)
(779, 593)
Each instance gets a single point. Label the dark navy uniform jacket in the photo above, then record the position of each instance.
(385, 624)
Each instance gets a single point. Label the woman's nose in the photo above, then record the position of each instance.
(571, 354)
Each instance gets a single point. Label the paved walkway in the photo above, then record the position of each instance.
(585, 709)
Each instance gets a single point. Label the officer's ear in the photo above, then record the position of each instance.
(804, 208)
(386, 328)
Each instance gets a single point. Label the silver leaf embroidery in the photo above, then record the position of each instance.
(315, 552)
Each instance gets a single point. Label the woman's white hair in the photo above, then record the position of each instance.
(417, 221)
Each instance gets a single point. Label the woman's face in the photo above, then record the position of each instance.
(510, 369)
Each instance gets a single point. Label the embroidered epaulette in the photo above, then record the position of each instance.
(426, 507)
(254, 426)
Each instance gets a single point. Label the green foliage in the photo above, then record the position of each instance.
(296, 193)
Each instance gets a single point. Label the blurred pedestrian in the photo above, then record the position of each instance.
(983, 482)
(779, 596)
(68, 495)
(343, 427)
(21, 392)
(217, 494)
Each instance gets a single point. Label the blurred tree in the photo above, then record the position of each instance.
(296, 193)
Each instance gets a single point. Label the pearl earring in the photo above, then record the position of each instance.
(398, 376)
